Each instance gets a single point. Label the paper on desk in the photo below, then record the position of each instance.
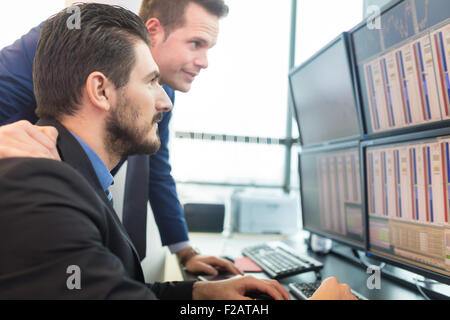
(247, 265)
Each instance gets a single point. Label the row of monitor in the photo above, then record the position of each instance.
(373, 114)
(372, 82)
(388, 197)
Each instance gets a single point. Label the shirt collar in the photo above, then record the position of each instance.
(103, 174)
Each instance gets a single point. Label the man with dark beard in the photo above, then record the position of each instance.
(60, 237)
(182, 33)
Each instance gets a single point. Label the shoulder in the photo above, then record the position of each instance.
(51, 205)
(36, 170)
(34, 181)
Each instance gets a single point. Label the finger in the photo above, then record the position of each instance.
(15, 132)
(259, 285)
(55, 153)
(347, 292)
(40, 136)
(7, 152)
(30, 140)
(47, 137)
(241, 297)
(280, 289)
(234, 269)
(230, 267)
(50, 132)
(206, 268)
(19, 149)
(224, 264)
(277, 286)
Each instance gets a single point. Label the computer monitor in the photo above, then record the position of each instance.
(408, 202)
(323, 96)
(402, 67)
(330, 192)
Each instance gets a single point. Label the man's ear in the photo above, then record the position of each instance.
(156, 31)
(100, 91)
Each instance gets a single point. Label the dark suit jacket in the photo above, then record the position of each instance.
(55, 215)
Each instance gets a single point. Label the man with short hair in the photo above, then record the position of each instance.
(99, 87)
(182, 32)
(57, 216)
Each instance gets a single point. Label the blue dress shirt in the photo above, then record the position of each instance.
(103, 174)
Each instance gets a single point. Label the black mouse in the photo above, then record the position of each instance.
(258, 295)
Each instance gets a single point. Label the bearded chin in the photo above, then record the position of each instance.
(124, 138)
(145, 147)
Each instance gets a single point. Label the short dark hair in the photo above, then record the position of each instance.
(171, 12)
(66, 56)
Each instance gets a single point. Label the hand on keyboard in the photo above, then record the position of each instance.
(240, 288)
(332, 289)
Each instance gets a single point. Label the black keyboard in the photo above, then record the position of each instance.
(279, 260)
(304, 291)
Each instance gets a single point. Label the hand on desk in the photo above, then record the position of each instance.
(22, 139)
(239, 288)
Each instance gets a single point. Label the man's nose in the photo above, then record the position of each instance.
(163, 103)
(201, 60)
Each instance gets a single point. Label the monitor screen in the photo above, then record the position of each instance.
(408, 203)
(323, 96)
(330, 192)
(402, 66)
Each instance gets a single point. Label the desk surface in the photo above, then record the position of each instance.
(345, 271)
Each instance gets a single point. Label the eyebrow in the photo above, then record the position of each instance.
(204, 42)
(201, 40)
(154, 75)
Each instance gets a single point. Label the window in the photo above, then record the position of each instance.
(320, 21)
(243, 92)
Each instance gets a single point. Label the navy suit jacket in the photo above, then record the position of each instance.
(17, 102)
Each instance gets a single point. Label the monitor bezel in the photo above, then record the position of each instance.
(355, 144)
(344, 37)
(414, 137)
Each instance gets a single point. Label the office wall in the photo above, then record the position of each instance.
(379, 3)
(132, 5)
(243, 92)
(320, 21)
